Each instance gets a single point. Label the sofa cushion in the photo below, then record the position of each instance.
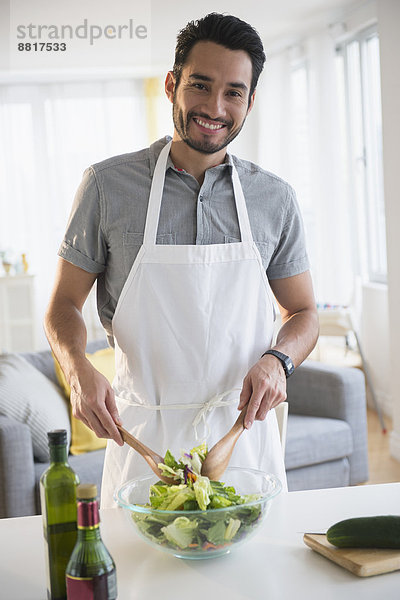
(314, 440)
(43, 362)
(27, 396)
(335, 473)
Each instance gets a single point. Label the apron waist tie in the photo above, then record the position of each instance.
(205, 407)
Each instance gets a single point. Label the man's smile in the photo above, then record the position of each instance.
(209, 125)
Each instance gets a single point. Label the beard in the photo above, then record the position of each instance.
(206, 145)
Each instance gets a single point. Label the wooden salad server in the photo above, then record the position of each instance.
(151, 457)
(219, 456)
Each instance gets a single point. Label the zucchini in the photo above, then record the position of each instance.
(366, 532)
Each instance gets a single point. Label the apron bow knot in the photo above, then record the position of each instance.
(208, 406)
(205, 407)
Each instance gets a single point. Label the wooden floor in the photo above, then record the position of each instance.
(383, 468)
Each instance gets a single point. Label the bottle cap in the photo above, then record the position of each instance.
(86, 491)
(57, 437)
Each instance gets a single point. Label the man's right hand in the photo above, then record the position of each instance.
(93, 402)
(92, 397)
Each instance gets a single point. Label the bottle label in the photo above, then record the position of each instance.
(102, 587)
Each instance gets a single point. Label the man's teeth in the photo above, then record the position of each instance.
(208, 125)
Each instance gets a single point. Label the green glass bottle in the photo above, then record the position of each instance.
(91, 573)
(58, 501)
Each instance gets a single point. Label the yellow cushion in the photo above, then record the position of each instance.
(84, 439)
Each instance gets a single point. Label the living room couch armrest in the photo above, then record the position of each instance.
(320, 390)
(17, 477)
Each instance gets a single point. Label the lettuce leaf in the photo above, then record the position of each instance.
(170, 460)
(231, 529)
(168, 471)
(174, 498)
(202, 490)
(180, 532)
(219, 501)
(201, 451)
(215, 534)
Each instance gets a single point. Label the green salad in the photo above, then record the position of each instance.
(205, 530)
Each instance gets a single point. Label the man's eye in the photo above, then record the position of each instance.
(234, 93)
(199, 86)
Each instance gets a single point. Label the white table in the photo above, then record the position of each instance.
(274, 565)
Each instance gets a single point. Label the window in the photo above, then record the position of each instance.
(49, 133)
(300, 151)
(301, 139)
(359, 66)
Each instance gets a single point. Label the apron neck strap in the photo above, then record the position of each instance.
(156, 193)
(243, 216)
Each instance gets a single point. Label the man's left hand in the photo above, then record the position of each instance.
(264, 387)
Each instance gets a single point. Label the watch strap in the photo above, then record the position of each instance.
(286, 361)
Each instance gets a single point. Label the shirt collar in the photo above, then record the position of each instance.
(157, 146)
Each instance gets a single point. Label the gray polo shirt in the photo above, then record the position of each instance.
(105, 229)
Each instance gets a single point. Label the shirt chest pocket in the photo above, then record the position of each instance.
(132, 242)
(265, 249)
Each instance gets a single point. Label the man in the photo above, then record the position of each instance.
(186, 242)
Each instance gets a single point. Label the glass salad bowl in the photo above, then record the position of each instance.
(199, 534)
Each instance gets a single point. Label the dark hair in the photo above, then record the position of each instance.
(226, 30)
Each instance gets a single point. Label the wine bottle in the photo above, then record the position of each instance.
(58, 502)
(91, 573)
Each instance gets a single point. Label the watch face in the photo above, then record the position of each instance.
(289, 366)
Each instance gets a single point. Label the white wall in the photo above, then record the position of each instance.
(374, 334)
(388, 23)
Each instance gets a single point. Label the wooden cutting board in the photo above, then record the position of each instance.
(364, 562)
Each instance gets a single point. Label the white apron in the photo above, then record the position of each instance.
(190, 322)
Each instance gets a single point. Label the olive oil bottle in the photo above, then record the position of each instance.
(91, 573)
(58, 501)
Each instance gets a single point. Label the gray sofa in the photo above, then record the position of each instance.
(326, 444)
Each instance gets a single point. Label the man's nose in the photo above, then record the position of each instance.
(215, 105)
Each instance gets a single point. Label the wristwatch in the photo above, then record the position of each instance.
(286, 361)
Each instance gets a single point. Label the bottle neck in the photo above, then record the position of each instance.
(88, 519)
(58, 454)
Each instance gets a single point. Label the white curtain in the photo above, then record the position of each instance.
(317, 166)
(49, 133)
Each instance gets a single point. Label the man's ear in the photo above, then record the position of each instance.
(251, 102)
(170, 86)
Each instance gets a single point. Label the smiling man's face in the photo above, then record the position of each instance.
(211, 101)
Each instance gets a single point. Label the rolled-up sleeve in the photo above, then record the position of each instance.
(290, 256)
(84, 244)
